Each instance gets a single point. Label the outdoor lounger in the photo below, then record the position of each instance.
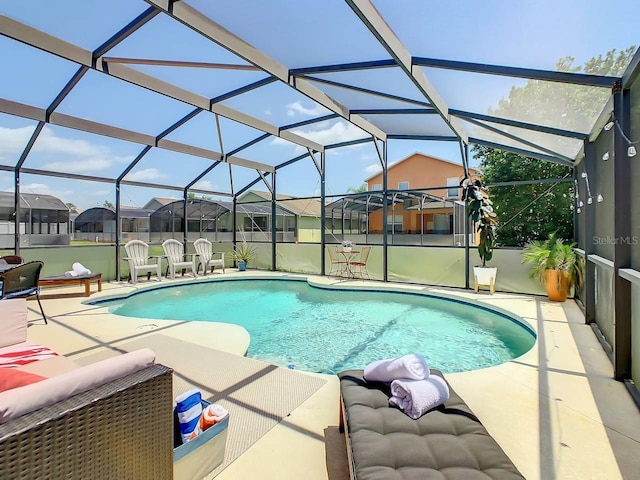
(446, 443)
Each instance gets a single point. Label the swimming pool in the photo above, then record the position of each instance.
(296, 325)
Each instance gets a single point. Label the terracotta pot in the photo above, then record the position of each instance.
(556, 290)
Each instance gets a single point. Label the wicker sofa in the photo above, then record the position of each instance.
(121, 428)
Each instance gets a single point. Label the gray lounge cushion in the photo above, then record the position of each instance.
(447, 443)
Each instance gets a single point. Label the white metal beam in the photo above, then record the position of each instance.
(372, 19)
(48, 43)
(76, 123)
(220, 35)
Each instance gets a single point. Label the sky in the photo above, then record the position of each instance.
(295, 34)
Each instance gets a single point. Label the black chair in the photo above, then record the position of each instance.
(22, 281)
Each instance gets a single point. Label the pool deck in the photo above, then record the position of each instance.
(556, 411)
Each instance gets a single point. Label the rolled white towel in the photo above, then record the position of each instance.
(80, 269)
(416, 397)
(410, 366)
(70, 273)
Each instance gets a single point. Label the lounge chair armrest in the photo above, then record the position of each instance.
(127, 424)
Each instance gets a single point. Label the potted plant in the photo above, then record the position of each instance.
(347, 245)
(556, 265)
(242, 253)
(480, 211)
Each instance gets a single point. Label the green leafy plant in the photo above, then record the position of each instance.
(554, 254)
(480, 210)
(243, 252)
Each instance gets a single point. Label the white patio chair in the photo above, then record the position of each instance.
(138, 258)
(174, 251)
(206, 255)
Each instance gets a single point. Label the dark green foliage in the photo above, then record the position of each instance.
(480, 210)
(533, 212)
(527, 212)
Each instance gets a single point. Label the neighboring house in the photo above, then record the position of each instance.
(157, 202)
(44, 220)
(99, 224)
(299, 221)
(418, 207)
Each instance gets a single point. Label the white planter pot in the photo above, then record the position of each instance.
(486, 277)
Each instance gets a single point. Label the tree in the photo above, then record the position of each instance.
(193, 196)
(533, 212)
(72, 208)
(361, 189)
(108, 204)
(527, 212)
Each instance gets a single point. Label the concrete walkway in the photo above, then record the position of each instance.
(556, 411)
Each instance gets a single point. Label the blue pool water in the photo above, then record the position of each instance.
(298, 326)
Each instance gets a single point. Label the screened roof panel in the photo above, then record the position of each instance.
(165, 40)
(87, 24)
(110, 101)
(562, 145)
(15, 133)
(277, 104)
(201, 131)
(295, 34)
(218, 179)
(354, 99)
(320, 32)
(235, 135)
(300, 179)
(481, 133)
(272, 151)
(29, 68)
(83, 194)
(61, 149)
(390, 80)
(411, 124)
(165, 167)
(329, 132)
(559, 105)
(520, 34)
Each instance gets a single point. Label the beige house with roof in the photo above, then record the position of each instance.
(299, 223)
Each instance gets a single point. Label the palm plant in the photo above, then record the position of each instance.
(554, 254)
(243, 252)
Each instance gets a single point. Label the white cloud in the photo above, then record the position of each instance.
(338, 132)
(145, 175)
(267, 112)
(77, 155)
(44, 189)
(372, 169)
(13, 140)
(296, 108)
(376, 168)
(205, 185)
(76, 166)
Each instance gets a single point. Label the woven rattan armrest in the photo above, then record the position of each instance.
(123, 429)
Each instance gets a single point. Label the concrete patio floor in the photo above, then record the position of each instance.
(556, 411)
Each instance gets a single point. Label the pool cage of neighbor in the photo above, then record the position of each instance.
(213, 100)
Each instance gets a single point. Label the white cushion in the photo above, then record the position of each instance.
(18, 401)
(13, 321)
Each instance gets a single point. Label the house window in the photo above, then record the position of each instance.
(403, 185)
(453, 192)
(377, 186)
(394, 223)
